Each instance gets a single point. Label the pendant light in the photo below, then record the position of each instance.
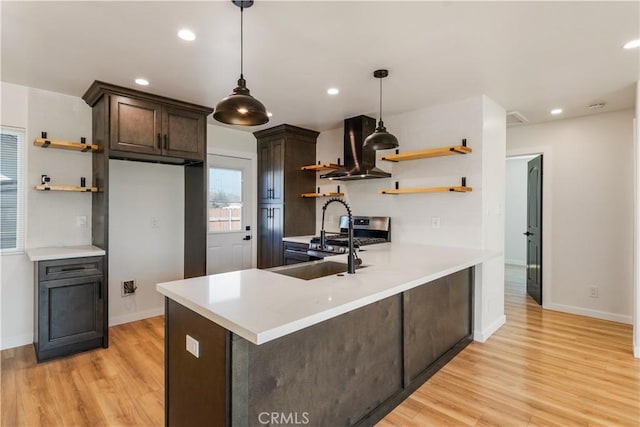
(240, 108)
(380, 139)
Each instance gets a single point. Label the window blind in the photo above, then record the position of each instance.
(12, 189)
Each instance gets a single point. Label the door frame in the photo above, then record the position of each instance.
(253, 190)
(547, 164)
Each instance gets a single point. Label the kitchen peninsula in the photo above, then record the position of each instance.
(337, 350)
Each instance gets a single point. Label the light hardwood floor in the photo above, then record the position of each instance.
(541, 368)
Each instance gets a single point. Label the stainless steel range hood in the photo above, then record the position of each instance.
(359, 163)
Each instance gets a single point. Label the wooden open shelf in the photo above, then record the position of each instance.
(310, 195)
(74, 188)
(45, 142)
(462, 188)
(321, 167)
(432, 152)
(456, 189)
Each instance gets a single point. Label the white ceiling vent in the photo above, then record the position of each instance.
(515, 118)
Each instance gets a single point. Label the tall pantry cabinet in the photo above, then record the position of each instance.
(282, 212)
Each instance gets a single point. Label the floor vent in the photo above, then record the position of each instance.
(515, 118)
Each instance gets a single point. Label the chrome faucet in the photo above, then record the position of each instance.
(352, 258)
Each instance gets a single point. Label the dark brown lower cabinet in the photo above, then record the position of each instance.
(70, 307)
(270, 233)
(350, 370)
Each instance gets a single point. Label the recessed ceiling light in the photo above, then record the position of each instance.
(142, 82)
(269, 113)
(556, 111)
(187, 35)
(596, 106)
(333, 91)
(632, 44)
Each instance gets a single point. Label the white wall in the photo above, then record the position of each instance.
(587, 211)
(515, 248)
(50, 217)
(474, 219)
(146, 235)
(222, 139)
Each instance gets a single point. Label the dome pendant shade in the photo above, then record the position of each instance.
(380, 139)
(240, 108)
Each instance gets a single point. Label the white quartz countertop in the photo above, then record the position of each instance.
(261, 305)
(62, 252)
(299, 239)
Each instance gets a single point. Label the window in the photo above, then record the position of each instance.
(225, 200)
(11, 190)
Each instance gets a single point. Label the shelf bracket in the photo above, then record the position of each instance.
(463, 184)
(46, 143)
(83, 141)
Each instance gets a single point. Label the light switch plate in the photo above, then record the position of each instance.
(193, 346)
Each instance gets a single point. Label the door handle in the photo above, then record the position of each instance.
(166, 141)
(159, 141)
(246, 238)
(528, 234)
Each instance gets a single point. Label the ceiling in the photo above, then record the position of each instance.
(528, 56)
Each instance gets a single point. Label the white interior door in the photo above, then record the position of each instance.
(230, 207)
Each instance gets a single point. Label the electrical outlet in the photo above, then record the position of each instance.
(155, 223)
(593, 292)
(128, 287)
(435, 222)
(193, 346)
(81, 221)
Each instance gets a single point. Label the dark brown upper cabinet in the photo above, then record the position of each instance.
(149, 127)
(271, 170)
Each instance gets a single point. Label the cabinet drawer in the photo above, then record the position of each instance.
(70, 267)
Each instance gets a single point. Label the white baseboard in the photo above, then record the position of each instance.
(16, 341)
(518, 262)
(613, 317)
(483, 335)
(138, 315)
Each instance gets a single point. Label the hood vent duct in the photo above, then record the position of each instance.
(359, 162)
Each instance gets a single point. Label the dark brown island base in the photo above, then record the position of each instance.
(350, 370)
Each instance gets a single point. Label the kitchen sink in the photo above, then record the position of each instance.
(310, 271)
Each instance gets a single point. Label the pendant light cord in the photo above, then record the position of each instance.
(381, 100)
(241, 42)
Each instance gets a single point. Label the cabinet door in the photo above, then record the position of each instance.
(135, 125)
(183, 134)
(277, 234)
(270, 236)
(70, 311)
(277, 171)
(270, 171)
(264, 236)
